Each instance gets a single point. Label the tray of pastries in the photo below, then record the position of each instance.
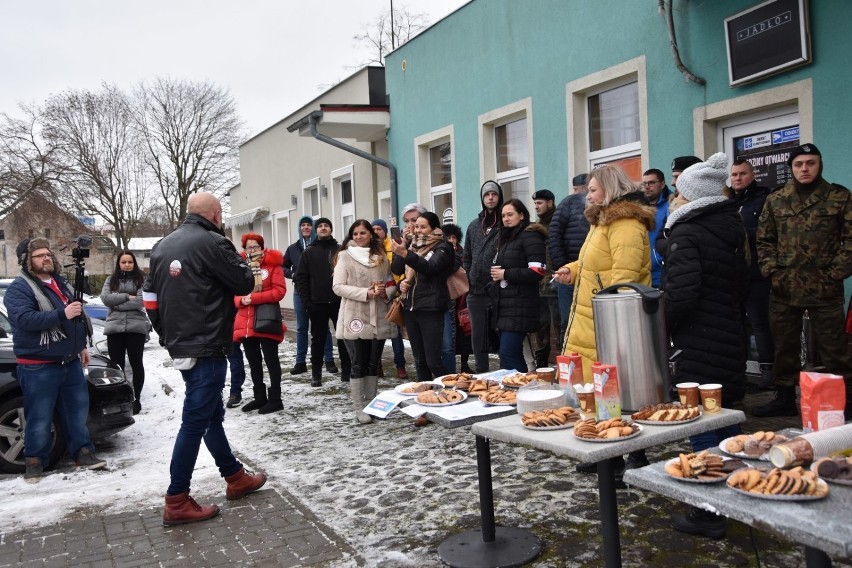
(751, 446)
(480, 387)
(551, 419)
(444, 397)
(518, 380)
(666, 414)
(500, 397)
(612, 430)
(778, 484)
(836, 470)
(460, 381)
(702, 467)
(413, 389)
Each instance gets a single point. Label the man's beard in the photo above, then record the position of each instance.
(46, 269)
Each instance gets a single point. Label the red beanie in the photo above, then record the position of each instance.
(253, 237)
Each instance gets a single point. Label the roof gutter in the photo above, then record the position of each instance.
(312, 120)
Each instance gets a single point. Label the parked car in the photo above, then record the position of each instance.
(110, 404)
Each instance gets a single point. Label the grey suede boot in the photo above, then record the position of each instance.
(357, 386)
(371, 385)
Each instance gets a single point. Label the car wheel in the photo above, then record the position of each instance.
(12, 425)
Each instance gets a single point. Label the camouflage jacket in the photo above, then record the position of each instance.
(805, 247)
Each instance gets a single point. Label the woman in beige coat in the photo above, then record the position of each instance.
(364, 283)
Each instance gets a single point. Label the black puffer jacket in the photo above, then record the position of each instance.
(517, 302)
(313, 277)
(705, 280)
(567, 231)
(189, 294)
(480, 243)
(750, 203)
(430, 285)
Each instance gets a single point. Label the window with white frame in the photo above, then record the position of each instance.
(347, 208)
(607, 119)
(441, 179)
(311, 198)
(511, 146)
(506, 149)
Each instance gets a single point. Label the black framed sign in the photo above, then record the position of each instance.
(767, 39)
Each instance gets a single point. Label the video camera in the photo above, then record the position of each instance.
(81, 251)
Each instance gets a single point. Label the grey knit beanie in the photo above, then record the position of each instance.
(704, 179)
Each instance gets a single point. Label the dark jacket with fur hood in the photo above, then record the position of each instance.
(516, 299)
(705, 280)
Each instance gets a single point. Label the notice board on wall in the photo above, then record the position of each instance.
(767, 39)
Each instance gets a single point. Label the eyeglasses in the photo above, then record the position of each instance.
(650, 183)
(40, 256)
(252, 247)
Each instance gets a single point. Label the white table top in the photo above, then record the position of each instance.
(564, 443)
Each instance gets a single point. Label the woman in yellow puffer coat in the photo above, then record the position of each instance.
(616, 250)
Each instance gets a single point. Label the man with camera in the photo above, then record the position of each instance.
(49, 331)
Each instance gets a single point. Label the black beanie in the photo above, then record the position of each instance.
(325, 220)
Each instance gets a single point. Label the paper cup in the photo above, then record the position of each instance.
(546, 374)
(711, 397)
(587, 403)
(688, 394)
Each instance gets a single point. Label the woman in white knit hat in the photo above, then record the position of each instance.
(705, 279)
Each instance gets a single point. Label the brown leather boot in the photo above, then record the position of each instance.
(242, 483)
(182, 509)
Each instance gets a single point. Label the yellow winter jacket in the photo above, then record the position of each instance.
(616, 250)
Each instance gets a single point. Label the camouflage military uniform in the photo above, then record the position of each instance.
(805, 248)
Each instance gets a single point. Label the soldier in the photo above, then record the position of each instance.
(804, 247)
(543, 200)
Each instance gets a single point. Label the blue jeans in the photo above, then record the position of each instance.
(302, 324)
(448, 346)
(398, 348)
(238, 369)
(512, 351)
(712, 438)
(49, 387)
(203, 414)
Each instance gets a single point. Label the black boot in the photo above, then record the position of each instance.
(636, 459)
(316, 372)
(700, 522)
(784, 404)
(273, 403)
(259, 399)
(767, 379)
(299, 368)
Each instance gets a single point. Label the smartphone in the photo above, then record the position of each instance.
(395, 234)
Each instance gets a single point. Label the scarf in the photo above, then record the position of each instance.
(44, 305)
(254, 263)
(421, 246)
(692, 206)
(362, 256)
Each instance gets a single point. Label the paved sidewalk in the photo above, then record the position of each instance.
(267, 528)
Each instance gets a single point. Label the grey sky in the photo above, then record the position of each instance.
(274, 56)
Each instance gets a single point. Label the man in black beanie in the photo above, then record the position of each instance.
(49, 331)
(313, 281)
(804, 246)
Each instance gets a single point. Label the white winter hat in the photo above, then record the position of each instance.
(704, 179)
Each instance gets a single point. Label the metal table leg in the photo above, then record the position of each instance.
(609, 514)
(816, 558)
(490, 546)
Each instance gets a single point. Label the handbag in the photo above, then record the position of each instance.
(267, 319)
(394, 314)
(458, 284)
(463, 316)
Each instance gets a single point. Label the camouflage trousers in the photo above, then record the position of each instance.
(827, 324)
(548, 315)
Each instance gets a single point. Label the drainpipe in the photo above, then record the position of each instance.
(313, 120)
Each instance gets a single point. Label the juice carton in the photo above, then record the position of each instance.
(569, 369)
(607, 393)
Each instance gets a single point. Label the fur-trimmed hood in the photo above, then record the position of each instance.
(537, 228)
(631, 206)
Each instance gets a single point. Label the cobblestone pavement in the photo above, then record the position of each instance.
(386, 495)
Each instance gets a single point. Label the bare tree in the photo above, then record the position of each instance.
(386, 33)
(102, 158)
(27, 164)
(192, 133)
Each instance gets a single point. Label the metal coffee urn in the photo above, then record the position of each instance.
(630, 333)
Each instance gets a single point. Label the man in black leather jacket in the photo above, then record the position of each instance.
(189, 295)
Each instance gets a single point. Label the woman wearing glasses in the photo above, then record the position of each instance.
(269, 288)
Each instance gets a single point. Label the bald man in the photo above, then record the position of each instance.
(195, 274)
